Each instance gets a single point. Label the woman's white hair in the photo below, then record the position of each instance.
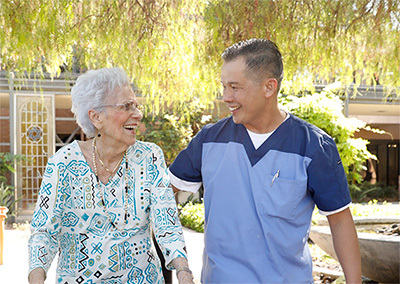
(92, 90)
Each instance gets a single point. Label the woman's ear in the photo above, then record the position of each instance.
(270, 87)
(95, 118)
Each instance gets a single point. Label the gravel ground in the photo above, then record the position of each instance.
(326, 269)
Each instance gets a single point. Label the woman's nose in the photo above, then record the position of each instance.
(137, 114)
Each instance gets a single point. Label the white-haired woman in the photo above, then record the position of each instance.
(100, 198)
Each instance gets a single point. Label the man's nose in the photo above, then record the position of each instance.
(227, 96)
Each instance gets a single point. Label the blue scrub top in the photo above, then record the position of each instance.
(259, 202)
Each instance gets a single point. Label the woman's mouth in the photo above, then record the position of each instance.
(130, 127)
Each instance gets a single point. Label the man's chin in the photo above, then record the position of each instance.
(236, 119)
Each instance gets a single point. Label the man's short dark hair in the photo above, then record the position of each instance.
(262, 57)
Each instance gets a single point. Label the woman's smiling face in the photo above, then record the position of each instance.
(120, 118)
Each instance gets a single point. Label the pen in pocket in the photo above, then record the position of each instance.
(276, 175)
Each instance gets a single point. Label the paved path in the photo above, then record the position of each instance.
(15, 257)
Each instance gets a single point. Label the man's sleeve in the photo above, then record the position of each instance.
(187, 165)
(327, 179)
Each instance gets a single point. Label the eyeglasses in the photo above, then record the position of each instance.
(128, 106)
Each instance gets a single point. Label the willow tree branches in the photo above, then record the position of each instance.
(323, 40)
(171, 49)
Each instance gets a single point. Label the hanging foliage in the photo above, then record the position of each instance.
(158, 43)
(321, 40)
(171, 48)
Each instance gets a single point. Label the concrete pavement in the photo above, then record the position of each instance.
(15, 257)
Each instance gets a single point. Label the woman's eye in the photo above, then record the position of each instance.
(128, 106)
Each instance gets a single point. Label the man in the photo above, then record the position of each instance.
(263, 171)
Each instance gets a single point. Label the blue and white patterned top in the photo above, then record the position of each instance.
(69, 219)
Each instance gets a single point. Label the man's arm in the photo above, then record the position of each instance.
(176, 190)
(346, 246)
(183, 185)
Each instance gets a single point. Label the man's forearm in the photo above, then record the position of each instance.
(346, 245)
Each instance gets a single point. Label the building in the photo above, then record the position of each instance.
(379, 112)
(35, 120)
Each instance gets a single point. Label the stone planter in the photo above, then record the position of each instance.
(380, 253)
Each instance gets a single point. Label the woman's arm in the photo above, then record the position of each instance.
(165, 221)
(37, 276)
(45, 225)
(183, 273)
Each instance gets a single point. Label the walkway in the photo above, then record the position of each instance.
(15, 257)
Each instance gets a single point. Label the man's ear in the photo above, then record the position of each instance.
(95, 118)
(270, 87)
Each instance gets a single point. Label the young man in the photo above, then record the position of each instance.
(263, 171)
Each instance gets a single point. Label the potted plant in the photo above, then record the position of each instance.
(7, 196)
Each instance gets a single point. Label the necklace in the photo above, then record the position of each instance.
(101, 162)
(101, 193)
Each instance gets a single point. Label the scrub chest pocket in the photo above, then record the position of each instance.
(280, 197)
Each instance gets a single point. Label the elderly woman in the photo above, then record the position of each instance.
(100, 199)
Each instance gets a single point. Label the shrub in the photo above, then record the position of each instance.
(370, 209)
(172, 131)
(367, 191)
(166, 132)
(325, 110)
(192, 216)
(7, 197)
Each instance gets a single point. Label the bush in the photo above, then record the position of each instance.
(172, 131)
(366, 191)
(166, 132)
(7, 197)
(325, 110)
(192, 216)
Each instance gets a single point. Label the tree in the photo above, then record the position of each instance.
(322, 40)
(171, 48)
(156, 41)
(325, 110)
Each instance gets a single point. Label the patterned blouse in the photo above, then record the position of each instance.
(69, 218)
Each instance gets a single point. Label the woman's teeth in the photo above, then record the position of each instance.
(130, 127)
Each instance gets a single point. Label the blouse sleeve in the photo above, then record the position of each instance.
(164, 214)
(45, 225)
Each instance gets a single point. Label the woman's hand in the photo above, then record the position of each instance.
(183, 272)
(185, 277)
(37, 276)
